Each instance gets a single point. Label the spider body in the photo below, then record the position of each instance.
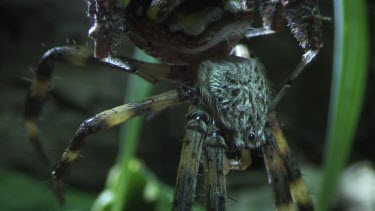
(237, 95)
(231, 106)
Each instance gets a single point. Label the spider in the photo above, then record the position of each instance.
(231, 112)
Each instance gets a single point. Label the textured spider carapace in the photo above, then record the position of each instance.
(231, 108)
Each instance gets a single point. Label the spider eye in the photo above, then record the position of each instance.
(251, 137)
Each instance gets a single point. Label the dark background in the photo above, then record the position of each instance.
(29, 28)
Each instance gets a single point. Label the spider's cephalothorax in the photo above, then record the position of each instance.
(231, 109)
(236, 94)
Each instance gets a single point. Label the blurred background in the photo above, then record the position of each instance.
(29, 28)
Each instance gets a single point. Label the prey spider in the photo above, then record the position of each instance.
(231, 112)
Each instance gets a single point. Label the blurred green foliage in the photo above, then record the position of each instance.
(21, 192)
(351, 56)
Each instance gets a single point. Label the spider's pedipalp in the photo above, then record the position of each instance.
(105, 120)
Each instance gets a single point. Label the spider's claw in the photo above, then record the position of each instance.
(58, 188)
(58, 185)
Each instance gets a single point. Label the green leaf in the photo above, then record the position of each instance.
(348, 82)
(20, 192)
(137, 89)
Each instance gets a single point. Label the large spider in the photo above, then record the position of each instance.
(231, 110)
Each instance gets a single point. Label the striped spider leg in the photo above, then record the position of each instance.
(108, 119)
(78, 55)
(284, 173)
(202, 143)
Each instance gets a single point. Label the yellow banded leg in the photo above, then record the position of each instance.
(297, 185)
(78, 55)
(108, 119)
(277, 174)
(196, 129)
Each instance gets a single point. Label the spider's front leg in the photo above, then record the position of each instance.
(196, 130)
(201, 141)
(276, 141)
(277, 174)
(108, 119)
(81, 56)
(214, 161)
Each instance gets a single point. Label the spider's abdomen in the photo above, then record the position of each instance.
(188, 32)
(236, 93)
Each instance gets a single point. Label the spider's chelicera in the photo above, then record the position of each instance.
(231, 109)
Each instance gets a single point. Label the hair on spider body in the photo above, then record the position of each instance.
(235, 91)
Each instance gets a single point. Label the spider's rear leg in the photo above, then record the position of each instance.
(297, 185)
(107, 119)
(77, 55)
(305, 23)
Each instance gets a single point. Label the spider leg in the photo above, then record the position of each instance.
(214, 162)
(277, 174)
(196, 129)
(108, 119)
(77, 55)
(305, 23)
(306, 59)
(256, 32)
(297, 185)
(214, 178)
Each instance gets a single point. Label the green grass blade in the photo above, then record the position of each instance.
(137, 89)
(348, 83)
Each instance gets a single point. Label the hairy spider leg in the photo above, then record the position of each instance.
(214, 173)
(196, 127)
(297, 185)
(78, 55)
(277, 175)
(108, 119)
